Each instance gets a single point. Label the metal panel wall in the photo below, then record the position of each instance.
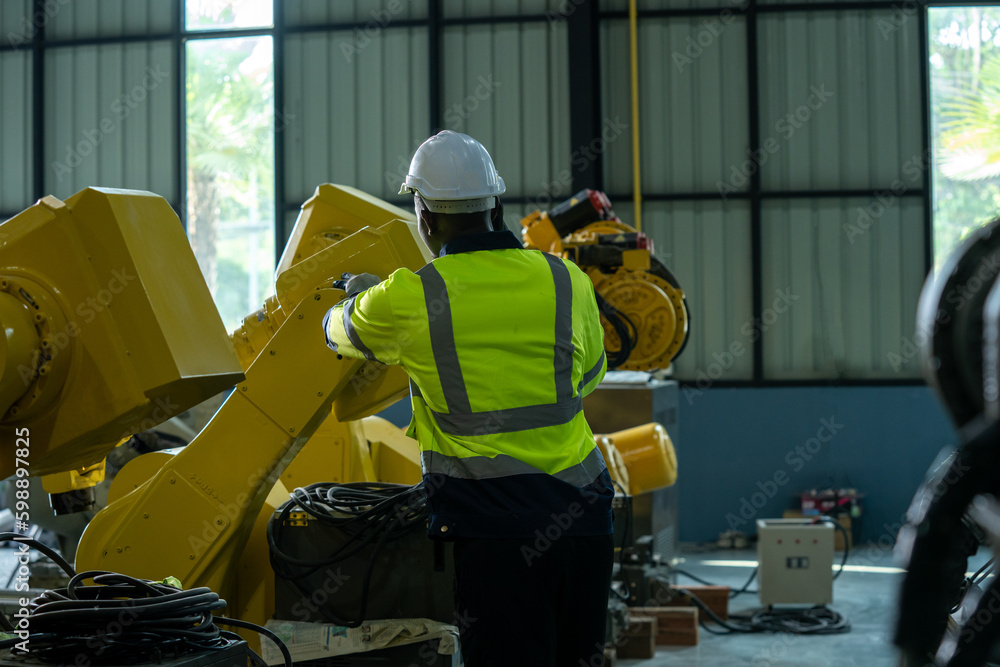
(693, 110)
(82, 19)
(482, 8)
(380, 12)
(354, 116)
(110, 118)
(841, 283)
(706, 244)
(653, 5)
(839, 96)
(15, 131)
(17, 25)
(507, 85)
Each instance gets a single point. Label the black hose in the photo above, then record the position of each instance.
(120, 619)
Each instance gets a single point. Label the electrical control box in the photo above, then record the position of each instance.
(795, 561)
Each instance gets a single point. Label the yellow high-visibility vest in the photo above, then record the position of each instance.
(501, 344)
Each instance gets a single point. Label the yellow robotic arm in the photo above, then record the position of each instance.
(109, 329)
(643, 310)
(198, 513)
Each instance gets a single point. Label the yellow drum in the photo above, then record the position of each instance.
(648, 455)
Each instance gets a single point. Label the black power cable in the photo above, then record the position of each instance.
(121, 619)
(623, 326)
(366, 512)
(627, 501)
(818, 620)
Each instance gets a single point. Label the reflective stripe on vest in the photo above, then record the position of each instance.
(352, 333)
(502, 465)
(592, 373)
(460, 419)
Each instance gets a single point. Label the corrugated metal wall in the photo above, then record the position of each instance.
(81, 19)
(693, 127)
(480, 8)
(15, 132)
(840, 97)
(852, 89)
(840, 103)
(110, 118)
(692, 110)
(840, 285)
(706, 245)
(355, 110)
(16, 28)
(508, 86)
(109, 110)
(382, 12)
(16, 23)
(839, 109)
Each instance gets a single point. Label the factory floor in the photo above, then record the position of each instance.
(865, 593)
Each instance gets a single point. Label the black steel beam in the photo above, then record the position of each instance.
(511, 18)
(737, 8)
(927, 139)
(756, 226)
(434, 48)
(180, 90)
(38, 104)
(775, 384)
(585, 91)
(278, 46)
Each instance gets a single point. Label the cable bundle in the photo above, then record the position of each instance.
(623, 326)
(366, 512)
(819, 620)
(121, 619)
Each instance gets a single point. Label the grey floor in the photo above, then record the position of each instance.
(868, 600)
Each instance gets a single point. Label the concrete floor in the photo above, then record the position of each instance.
(867, 599)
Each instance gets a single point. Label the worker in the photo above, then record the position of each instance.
(500, 344)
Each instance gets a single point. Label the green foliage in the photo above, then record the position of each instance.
(230, 155)
(965, 120)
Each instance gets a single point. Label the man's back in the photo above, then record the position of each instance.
(501, 344)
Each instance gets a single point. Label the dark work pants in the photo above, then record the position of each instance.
(518, 605)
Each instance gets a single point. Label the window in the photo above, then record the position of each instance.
(965, 98)
(230, 153)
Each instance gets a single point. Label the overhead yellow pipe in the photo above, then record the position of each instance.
(636, 182)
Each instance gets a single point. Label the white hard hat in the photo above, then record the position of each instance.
(453, 173)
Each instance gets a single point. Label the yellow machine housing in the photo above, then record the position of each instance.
(110, 327)
(285, 425)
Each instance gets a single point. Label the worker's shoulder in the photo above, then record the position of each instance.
(400, 281)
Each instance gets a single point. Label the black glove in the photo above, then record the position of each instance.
(356, 284)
